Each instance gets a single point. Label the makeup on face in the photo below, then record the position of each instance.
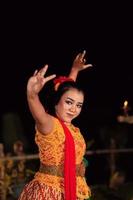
(70, 105)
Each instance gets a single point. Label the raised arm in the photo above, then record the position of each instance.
(35, 84)
(79, 64)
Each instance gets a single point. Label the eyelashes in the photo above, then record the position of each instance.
(79, 106)
(70, 103)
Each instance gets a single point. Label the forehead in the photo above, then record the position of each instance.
(74, 94)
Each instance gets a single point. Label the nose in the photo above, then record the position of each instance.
(73, 108)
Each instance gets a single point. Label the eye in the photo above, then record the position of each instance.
(68, 102)
(79, 106)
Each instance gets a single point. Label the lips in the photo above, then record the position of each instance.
(70, 115)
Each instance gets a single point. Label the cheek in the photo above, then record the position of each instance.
(64, 106)
(79, 111)
(60, 107)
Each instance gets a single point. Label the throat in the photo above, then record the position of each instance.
(67, 123)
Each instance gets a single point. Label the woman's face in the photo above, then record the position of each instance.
(70, 105)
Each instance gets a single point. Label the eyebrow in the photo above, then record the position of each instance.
(73, 100)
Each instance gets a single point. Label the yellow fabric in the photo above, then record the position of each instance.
(51, 152)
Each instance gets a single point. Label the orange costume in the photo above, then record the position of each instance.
(48, 182)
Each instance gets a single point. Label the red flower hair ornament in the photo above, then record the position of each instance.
(59, 80)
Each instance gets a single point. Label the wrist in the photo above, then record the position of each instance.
(73, 74)
(75, 70)
(31, 95)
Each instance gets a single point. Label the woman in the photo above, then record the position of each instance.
(61, 145)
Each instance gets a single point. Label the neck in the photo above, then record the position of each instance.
(67, 123)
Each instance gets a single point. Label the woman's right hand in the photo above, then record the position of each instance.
(37, 81)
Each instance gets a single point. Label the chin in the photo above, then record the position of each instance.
(67, 120)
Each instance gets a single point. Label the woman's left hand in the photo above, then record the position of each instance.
(79, 62)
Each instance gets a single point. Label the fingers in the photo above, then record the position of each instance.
(48, 78)
(80, 56)
(82, 59)
(35, 72)
(88, 65)
(83, 54)
(42, 72)
(77, 57)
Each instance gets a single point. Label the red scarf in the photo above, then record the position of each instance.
(69, 165)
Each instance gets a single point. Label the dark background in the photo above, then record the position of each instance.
(33, 35)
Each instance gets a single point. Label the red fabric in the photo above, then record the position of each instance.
(62, 79)
(69, 165)
(59, 80)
